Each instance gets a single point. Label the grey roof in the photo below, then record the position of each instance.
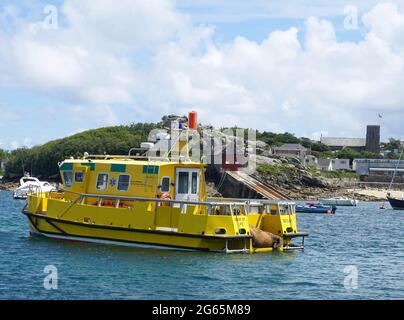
(292, 146)
(343, 142)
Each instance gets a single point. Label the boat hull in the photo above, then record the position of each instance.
(396, 204)
(76, 231)
(314, 210)
(19, 197)
(340, 203)
(146, 222)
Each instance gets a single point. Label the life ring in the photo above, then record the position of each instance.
(123, 205)
(113, 204)
(107, 204)
(165, 196)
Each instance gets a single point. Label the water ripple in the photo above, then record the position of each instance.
(365, 237)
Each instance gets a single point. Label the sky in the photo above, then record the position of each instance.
(310, 67)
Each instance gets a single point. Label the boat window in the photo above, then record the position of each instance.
(68, 177)
(102, 181)
(183, 182)
(78, 176)
(123, 182)
(194, 184)
(165, 184)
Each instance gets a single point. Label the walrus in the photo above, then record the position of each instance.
(264, 239)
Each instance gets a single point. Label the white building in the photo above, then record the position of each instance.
(340, 164)
(311, 161)
(334, 164)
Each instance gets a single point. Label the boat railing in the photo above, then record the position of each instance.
(263, 205)
(35, 190)
(220, 206)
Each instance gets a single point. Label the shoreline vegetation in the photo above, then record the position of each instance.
(291, 178)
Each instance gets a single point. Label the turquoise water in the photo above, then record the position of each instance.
(364, 237)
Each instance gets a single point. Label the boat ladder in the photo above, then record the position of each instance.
(244, 250)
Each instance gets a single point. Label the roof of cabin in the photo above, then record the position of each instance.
(129, 162)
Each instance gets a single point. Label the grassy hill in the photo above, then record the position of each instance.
(42, 160)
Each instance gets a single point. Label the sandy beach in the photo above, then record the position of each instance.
(378, 193)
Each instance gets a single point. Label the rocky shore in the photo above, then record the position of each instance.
(8, 185)
(301, 185)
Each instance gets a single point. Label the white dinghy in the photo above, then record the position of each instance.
(340, 201)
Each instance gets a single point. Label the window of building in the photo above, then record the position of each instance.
(68, 177)
(102, 181)
(123, 182)
(165, 184)
(78, 176)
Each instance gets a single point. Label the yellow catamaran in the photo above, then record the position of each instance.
(156, 201)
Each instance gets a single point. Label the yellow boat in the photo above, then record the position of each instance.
(143, 201)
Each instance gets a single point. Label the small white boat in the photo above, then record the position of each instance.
(340, 201)
(27, 183)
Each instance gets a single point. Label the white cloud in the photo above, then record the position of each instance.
(90, 58)
(27, 142)
(14, 145)
(320, 85)
(227, 11)
(101, 115)
(149, 55)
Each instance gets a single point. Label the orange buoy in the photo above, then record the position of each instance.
(192, 120)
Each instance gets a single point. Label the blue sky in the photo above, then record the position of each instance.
(270, 65)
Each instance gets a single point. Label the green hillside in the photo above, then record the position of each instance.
(42, 160)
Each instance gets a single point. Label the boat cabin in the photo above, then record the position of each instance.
(134, 178)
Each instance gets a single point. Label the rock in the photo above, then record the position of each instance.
(260, 159)
(313, 182)
(211, 190)
(8, 185)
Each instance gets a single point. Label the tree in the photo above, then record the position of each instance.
(393, 144)
(3, 154)
(43, 160)
(320, 147)
(348, 153)
(277, 139)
